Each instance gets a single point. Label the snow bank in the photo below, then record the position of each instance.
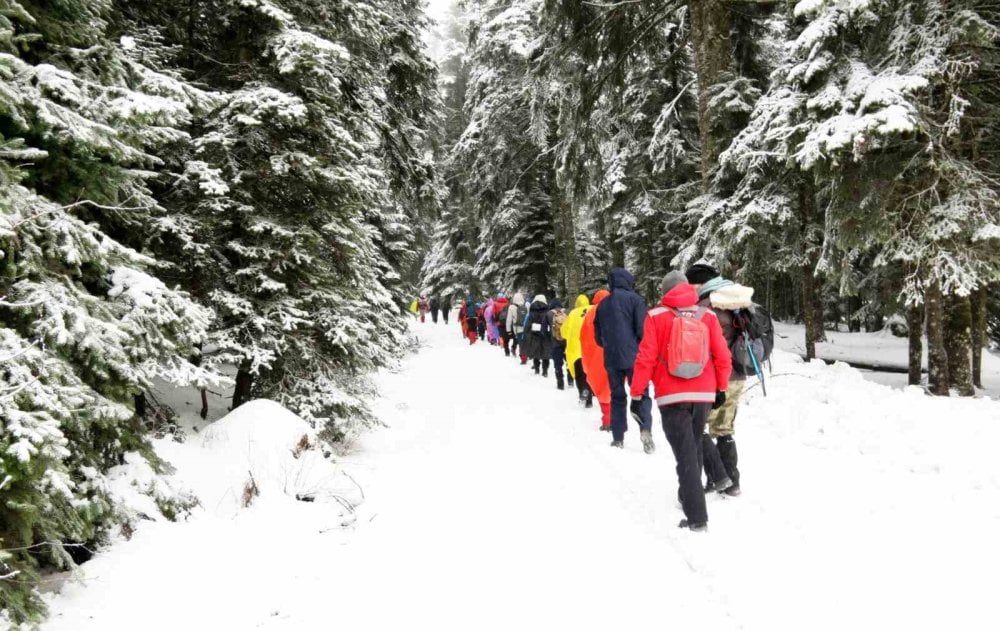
(260, 453)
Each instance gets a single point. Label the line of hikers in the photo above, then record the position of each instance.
(696, 348)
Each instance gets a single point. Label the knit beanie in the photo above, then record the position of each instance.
(701, 273)
(671, 280)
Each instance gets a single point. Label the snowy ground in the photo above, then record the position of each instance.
(881, 348)
(492, 502)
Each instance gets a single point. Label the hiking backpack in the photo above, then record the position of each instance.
(688, 348)
(558, 317)
(755, 341)
(501, 318)
(470, 311)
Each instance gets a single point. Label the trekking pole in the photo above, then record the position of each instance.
(756, 364)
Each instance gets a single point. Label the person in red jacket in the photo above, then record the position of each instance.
(684, 402)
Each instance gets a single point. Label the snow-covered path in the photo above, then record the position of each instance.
(492, 502)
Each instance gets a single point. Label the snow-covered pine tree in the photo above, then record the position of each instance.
(298, 196)
(447, 270)
(510, 181)
(83, 325)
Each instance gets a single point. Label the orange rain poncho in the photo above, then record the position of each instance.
(593, 355)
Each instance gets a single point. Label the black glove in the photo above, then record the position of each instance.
(720, 399)
(636, 409)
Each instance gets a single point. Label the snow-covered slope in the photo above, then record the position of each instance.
(494, 503)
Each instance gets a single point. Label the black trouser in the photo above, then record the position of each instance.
(434, 315)
(482, 328)
(544, 364)
(620, 404)
(505, 338)
(558, 360)
(581, 381)
(444, 314)
(684, 424)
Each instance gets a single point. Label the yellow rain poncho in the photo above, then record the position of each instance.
(571, 333)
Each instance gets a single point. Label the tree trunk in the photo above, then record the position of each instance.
(566, 246)
(244, 385)
(958, 344)
(978, 334)
(711, 22)
(937, 356)
(812, 309)
(915, 330)
(809, 310)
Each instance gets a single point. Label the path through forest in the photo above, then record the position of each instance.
(493, 502)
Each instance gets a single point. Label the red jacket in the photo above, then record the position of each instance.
(650, 364)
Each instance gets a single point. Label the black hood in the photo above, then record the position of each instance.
(620, 278)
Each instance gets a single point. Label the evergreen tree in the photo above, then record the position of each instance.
(84, 327)
(297, 198)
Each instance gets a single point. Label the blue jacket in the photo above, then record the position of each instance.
(619, 321)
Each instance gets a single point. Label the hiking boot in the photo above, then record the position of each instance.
(732, 491)
(560, 386)
(605, 428)
(702, 527)
(647, 441)
(620, 444)
(590, 402)
(569, 380)
(719, 486)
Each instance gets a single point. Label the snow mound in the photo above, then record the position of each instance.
(261, 453)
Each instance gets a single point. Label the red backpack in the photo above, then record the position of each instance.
(687, 350)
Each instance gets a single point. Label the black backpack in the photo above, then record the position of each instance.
(755, 341)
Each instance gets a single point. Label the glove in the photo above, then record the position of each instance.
(636, 409)
(720, 399)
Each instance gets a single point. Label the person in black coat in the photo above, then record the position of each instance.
(538, 336)
(445, 308)
(618, 330)
(435, 307)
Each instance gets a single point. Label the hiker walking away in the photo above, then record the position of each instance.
(500, 306)
(435, 308)
(618, 328)
(538, 336)
(424, 307)
(492, 333)
(685, 355)
(571, 329)
(738, 315)
(470, 315)
(445, 308)
(592, 356)
(557, 317)
(481, 320)
(515, 325)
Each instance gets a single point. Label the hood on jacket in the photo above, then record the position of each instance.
(582, 302)
(556, 304)
(681, 296)
(601, 295)
(540, 298)
(518, 299)
(620, 278)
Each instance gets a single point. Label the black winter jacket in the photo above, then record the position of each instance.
(619, 321)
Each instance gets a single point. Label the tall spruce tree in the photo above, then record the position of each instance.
(84, 326)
